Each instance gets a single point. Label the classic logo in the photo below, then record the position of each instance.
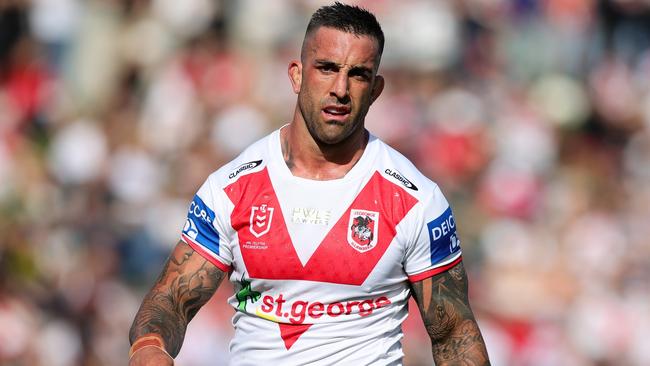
(362, 234)
(260, 222)
(400, 178)
(243, 167)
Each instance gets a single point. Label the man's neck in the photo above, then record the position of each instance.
(307, 159)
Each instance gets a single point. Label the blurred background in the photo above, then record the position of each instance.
(532, 115)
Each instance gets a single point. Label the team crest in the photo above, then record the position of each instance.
(362, 234)
(261, 217)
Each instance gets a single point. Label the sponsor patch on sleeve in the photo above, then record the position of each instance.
(199, 225)
(442, 236)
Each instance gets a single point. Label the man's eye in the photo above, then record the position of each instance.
(360, 76)
(327, 68)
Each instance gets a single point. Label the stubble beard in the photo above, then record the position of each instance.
(328, 133)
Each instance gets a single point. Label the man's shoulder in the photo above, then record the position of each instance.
(253, 159)
(400, 170)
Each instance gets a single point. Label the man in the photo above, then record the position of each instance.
(323, 229)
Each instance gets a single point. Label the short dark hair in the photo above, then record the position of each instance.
(347, 18)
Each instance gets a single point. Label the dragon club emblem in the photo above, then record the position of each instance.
(362, 234)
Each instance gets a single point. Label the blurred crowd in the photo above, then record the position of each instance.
(532, 115)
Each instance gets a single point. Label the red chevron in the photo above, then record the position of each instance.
(334, 261)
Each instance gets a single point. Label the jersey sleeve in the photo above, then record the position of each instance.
(435, 246)
(204, 228)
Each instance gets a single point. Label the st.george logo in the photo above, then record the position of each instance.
(260, 222)
(362, 234)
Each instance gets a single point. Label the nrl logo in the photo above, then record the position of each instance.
(260, 222)
(362, 235)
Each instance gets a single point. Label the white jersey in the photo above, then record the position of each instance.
(321, 269)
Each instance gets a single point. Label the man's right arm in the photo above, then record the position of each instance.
(186, 283)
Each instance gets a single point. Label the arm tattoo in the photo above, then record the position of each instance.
(448, 319)
(186, 283)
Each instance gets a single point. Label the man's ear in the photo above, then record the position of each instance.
(295, 75)
(377, 88)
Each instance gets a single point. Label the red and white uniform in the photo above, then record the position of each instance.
(321, 269)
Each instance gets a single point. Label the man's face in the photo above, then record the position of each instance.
(336, 82)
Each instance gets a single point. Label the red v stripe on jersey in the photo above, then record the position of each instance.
(255, 190)
(272, 256)
(291, 332)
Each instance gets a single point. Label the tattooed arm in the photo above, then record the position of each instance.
(186, 283)
(448, 318)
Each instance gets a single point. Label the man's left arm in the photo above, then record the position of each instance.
(455, 336)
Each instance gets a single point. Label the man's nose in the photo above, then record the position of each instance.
(340, 86)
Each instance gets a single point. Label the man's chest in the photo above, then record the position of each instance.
(329, 233)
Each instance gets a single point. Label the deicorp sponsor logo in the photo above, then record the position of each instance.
(442, 236)
(300, 310)
(243, 167)
(401, 178)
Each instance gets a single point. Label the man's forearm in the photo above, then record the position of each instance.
(158, 315)
(463, 346)
(448, 319)
(187, 282)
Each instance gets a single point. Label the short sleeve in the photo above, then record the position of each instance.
(203, 230)
(435, 246)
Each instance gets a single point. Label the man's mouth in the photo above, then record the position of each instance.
(337, 110)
